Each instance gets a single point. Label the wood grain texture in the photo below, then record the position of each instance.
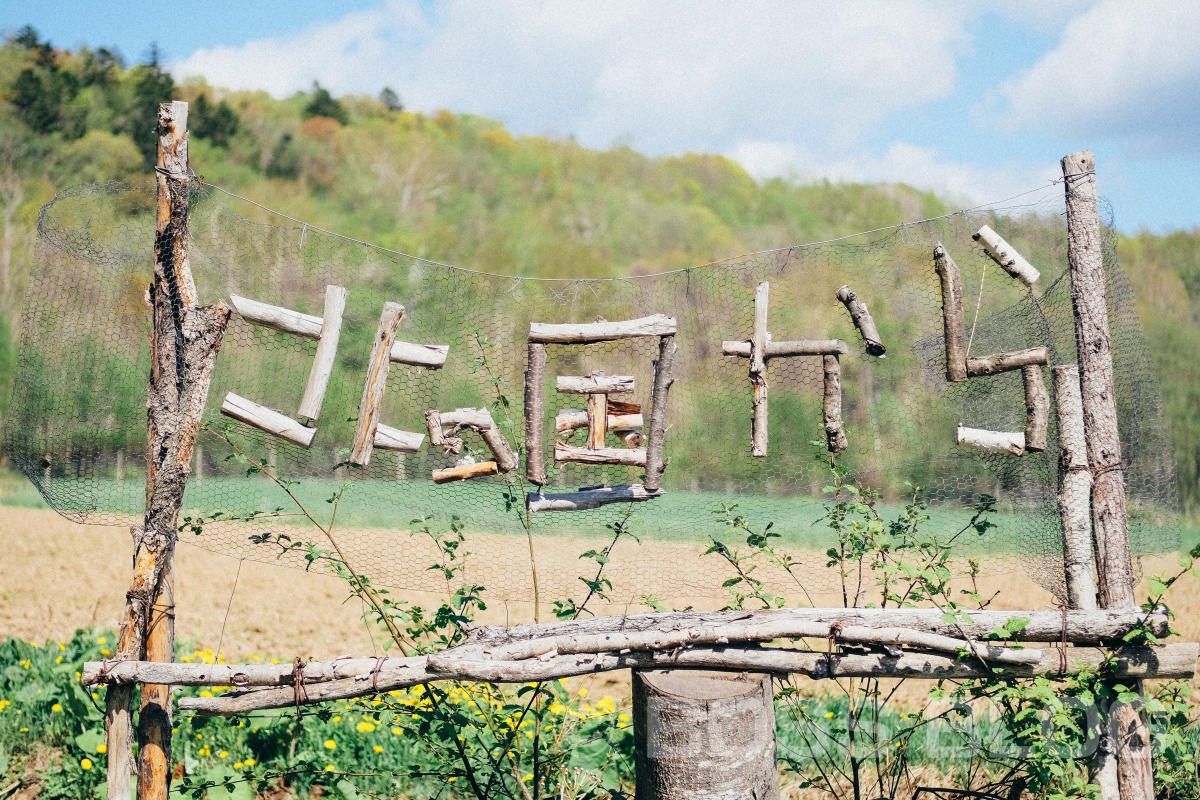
(597, 416)
(570, 419)
(1037, 409)
(277, 318)
(377, 372)
(267, 420)
(465, 472)
(1074, 491)
(799, 347)
(953, 322)
(831, 405)
(605, 455)
(589, 333)
(586, 499)
(535, 377)
(594, 384)
(863, 321)
(663, 378)
(430, 356)
(1006, 256)
(397, 441)
(327, 346)
(979, 366)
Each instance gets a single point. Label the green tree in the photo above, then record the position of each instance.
(322, 104)
(151, 85)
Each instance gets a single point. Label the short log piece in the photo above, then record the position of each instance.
(1009, 442)
(1037, 409)
(597, 414)
(430, 356)
(586, 499)
(979, 366)
(570, 419)
(799, 347)
(437, 436)
(831, 406)
(1006, 256)
(535, 376)
(862, 321)
(760, 337)
(479, 420)
(953, 322)
(377, 372)
(276, 318)
(397, 441)
(267, 420)
(594, 384)
(589, 333)
(465, 472)
(327, 345)
(759, 415)
(663, 368)
(1074, 490)
(605, 455)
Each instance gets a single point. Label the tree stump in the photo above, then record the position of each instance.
(703, 735)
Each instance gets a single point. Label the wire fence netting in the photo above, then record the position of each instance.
(77, 423)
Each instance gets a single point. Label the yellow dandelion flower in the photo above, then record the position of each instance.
(364, 727)
(583, 692)
(102, 640)
(95, 695)
(527, 777)
(204, 751)
(58, 660)
(56, 708)
(398, 731)
(206, 693)
(101, 748)
(106, 652)
(828, 715)
(337, 718)
(250, 762)
(62, 646)
(85, 763)
(330, 744)
(223, 754)
(329, 767)
(237, 765)
(378, 748)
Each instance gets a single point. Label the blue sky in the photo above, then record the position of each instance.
(975, 100)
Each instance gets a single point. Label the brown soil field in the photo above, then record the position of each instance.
(59, 576)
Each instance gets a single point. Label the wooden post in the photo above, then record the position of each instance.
(377, 372)
(1075, 490)
(183, 349)
(952, 314)
(831, 406)
(655, 465)
(703, 735)
(535, 375)
(1109, 517)
(1037, 408)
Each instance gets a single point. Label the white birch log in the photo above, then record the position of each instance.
(605, 455)
(377, 372)
(1075, 491)
(799, 347)
(1037, 409)
(758, 342)
(862, 320)
(1006, 256)
(477, 419)
(1011, 442)
(588, 333)
(1166, 661)
(589, 498)
(594, 384)
(979, 366)
(570, 419)
(398, 441)
(430, 356)
(280, 319)
(327, 345)
(267, 420)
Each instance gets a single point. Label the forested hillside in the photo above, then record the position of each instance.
(461, 189)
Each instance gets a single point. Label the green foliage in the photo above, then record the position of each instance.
(322, 104)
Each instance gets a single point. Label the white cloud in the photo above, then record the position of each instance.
(1126, 70)
(921, 167)
(667, 74)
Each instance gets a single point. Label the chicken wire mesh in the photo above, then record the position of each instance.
(77, 422)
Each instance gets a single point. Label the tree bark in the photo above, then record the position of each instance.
(183, 350)
(978, 366)
(535, 375)
(703, 735)
(1011, 442)
(466, 472)
(1006, 256)
(952, 314)
(798, 347)
(831, 406)
(590, 333)
(862, 320)
(1097, 386)
(1037, 409)
(327, 346)
(655, 464)
(594, 384)
(1075, 489)
(377, 372)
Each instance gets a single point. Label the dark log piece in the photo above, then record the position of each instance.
(862, 321)
(586, 499)
(952, 314)
(704, 735)
(979, 366)
(655, 464)
(1037, 409)
(831, 406)
(535, 376)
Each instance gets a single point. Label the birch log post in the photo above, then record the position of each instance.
(1115, 564)
(535, 376)
(377, 372)
(183, 350)
(1075, 489)
(655, 464)
(1037, 408)
(831, 406)
(1006, 256)
(953, 322)
(862, 320)
(702, 735)
(758, 372)
(327, 346)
